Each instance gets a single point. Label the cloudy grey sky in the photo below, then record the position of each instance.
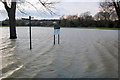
(65, 7)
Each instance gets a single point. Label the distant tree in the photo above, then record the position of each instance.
(86, 16)
(71, 17)
(69, 20)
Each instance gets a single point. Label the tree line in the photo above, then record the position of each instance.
(83, 20)
(87, 20)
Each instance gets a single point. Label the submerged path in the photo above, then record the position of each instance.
(82, 53)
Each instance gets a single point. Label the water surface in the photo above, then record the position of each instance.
(82, 53)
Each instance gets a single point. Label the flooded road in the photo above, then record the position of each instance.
(82, 53)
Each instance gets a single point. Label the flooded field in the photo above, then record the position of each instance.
(82, 53)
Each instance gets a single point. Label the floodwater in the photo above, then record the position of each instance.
(82, 53)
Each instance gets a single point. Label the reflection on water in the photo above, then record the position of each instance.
(81, 53)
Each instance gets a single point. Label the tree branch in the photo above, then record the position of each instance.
(48, 6)
(21, 11)
(6, 6)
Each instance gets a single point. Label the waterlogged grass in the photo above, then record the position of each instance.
(94, 28)
(111, 28)
(77, 27)
(3, 26)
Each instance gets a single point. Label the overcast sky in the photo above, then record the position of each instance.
(65, 7)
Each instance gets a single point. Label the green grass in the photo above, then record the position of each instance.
(83, 28)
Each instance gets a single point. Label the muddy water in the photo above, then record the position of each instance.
(82, 53)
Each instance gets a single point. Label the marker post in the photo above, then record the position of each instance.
(57, 34)
(30, 32)
(54, 39)
(58, 39)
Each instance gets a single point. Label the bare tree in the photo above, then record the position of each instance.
(11, 14)
(99, 16)
(117, 7)
(110, 6)
(103, 16)
(86, 15)
(11, 5)
(107, 9)
(114, 16)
